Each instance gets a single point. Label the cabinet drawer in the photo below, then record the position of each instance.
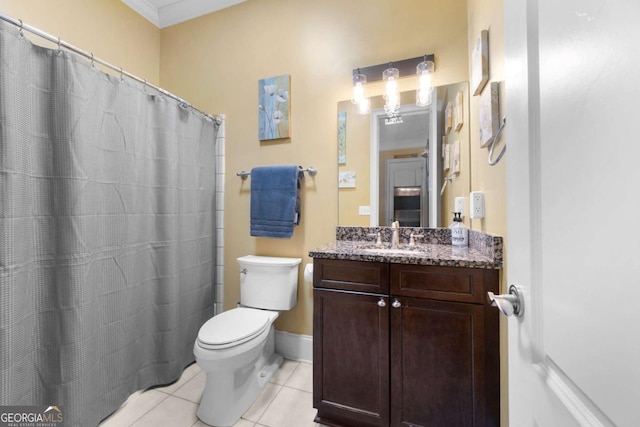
(443, 283)
(370, 277)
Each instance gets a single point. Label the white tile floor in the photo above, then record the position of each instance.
(284, 402)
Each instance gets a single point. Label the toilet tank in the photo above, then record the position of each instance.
(270, 283)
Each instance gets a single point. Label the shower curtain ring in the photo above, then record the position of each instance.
(21, 27)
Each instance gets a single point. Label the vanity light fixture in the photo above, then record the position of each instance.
(390, 73)
(424, 70)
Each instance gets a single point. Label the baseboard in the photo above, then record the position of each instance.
(294, 346)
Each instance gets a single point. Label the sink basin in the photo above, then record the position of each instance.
(393, 251)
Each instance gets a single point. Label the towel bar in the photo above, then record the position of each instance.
(310, 170)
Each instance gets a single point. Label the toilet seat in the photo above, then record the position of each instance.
(233, 327)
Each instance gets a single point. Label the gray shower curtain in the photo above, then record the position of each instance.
(107, 233)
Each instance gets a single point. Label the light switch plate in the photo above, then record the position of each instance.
(364, 210)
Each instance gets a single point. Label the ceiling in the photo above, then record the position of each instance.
(164, 13)
(412, 132)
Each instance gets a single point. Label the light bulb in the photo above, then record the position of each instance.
(391, 92)
(359, 80)
(425, 87)
(364, 106)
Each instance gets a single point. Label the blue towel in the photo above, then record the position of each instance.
(275, 200)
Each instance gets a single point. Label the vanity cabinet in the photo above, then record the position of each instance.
(404, 345)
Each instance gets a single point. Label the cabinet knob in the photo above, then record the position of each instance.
(396, 304)
(381, 303)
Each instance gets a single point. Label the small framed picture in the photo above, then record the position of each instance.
(458, 119)
(480, 63)
(342, 137)
(448, 118)
(347, 179)
(455, 157)
(489, 114)
(446, 163)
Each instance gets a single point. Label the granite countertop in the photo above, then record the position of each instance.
(484, 251)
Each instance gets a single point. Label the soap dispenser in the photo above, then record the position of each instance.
(459, 232)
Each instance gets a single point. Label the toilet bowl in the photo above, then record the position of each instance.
(237, 367)
(236, 348)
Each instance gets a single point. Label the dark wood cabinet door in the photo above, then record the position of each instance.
(350, 358)
(438, 375)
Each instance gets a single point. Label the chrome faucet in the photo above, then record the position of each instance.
(395, 241)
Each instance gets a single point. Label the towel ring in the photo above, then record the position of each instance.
(493, 145)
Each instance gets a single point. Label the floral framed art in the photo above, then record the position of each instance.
(342, 137)
(274, 108)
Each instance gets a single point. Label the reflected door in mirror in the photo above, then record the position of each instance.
(406, 186)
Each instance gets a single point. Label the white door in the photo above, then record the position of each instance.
(573, 130)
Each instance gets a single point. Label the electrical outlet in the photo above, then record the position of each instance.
(459, 205)
(476, 204)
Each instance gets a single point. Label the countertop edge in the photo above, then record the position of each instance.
(463, 260)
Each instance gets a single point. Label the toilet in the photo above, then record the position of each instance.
(236, 348)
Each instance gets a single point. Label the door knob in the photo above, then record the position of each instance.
(396, 304)
(381, 302)
(508, 304)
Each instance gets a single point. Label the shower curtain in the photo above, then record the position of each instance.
(107, 233)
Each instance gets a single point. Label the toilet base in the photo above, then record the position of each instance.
(228, 395)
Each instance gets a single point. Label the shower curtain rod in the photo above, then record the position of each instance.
(61, 43)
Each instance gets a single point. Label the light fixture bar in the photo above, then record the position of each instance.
(406, 68)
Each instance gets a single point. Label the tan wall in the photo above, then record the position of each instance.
(107, 28)
(216, 61)
(489, 15)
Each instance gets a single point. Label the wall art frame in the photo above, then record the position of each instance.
(274, 108)
(480, 63)
(458, 110)
(347, 179)
(489, 114)
(342, 137)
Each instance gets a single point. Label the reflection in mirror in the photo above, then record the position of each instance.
(400, 192)
(410, 171)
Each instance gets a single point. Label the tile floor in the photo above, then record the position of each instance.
(284, 402)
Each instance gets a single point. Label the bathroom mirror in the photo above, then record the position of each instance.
(409, 170)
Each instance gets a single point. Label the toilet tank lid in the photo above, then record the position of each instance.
(268, 260)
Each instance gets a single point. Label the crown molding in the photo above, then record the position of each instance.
(178, 11)
(146, 9)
